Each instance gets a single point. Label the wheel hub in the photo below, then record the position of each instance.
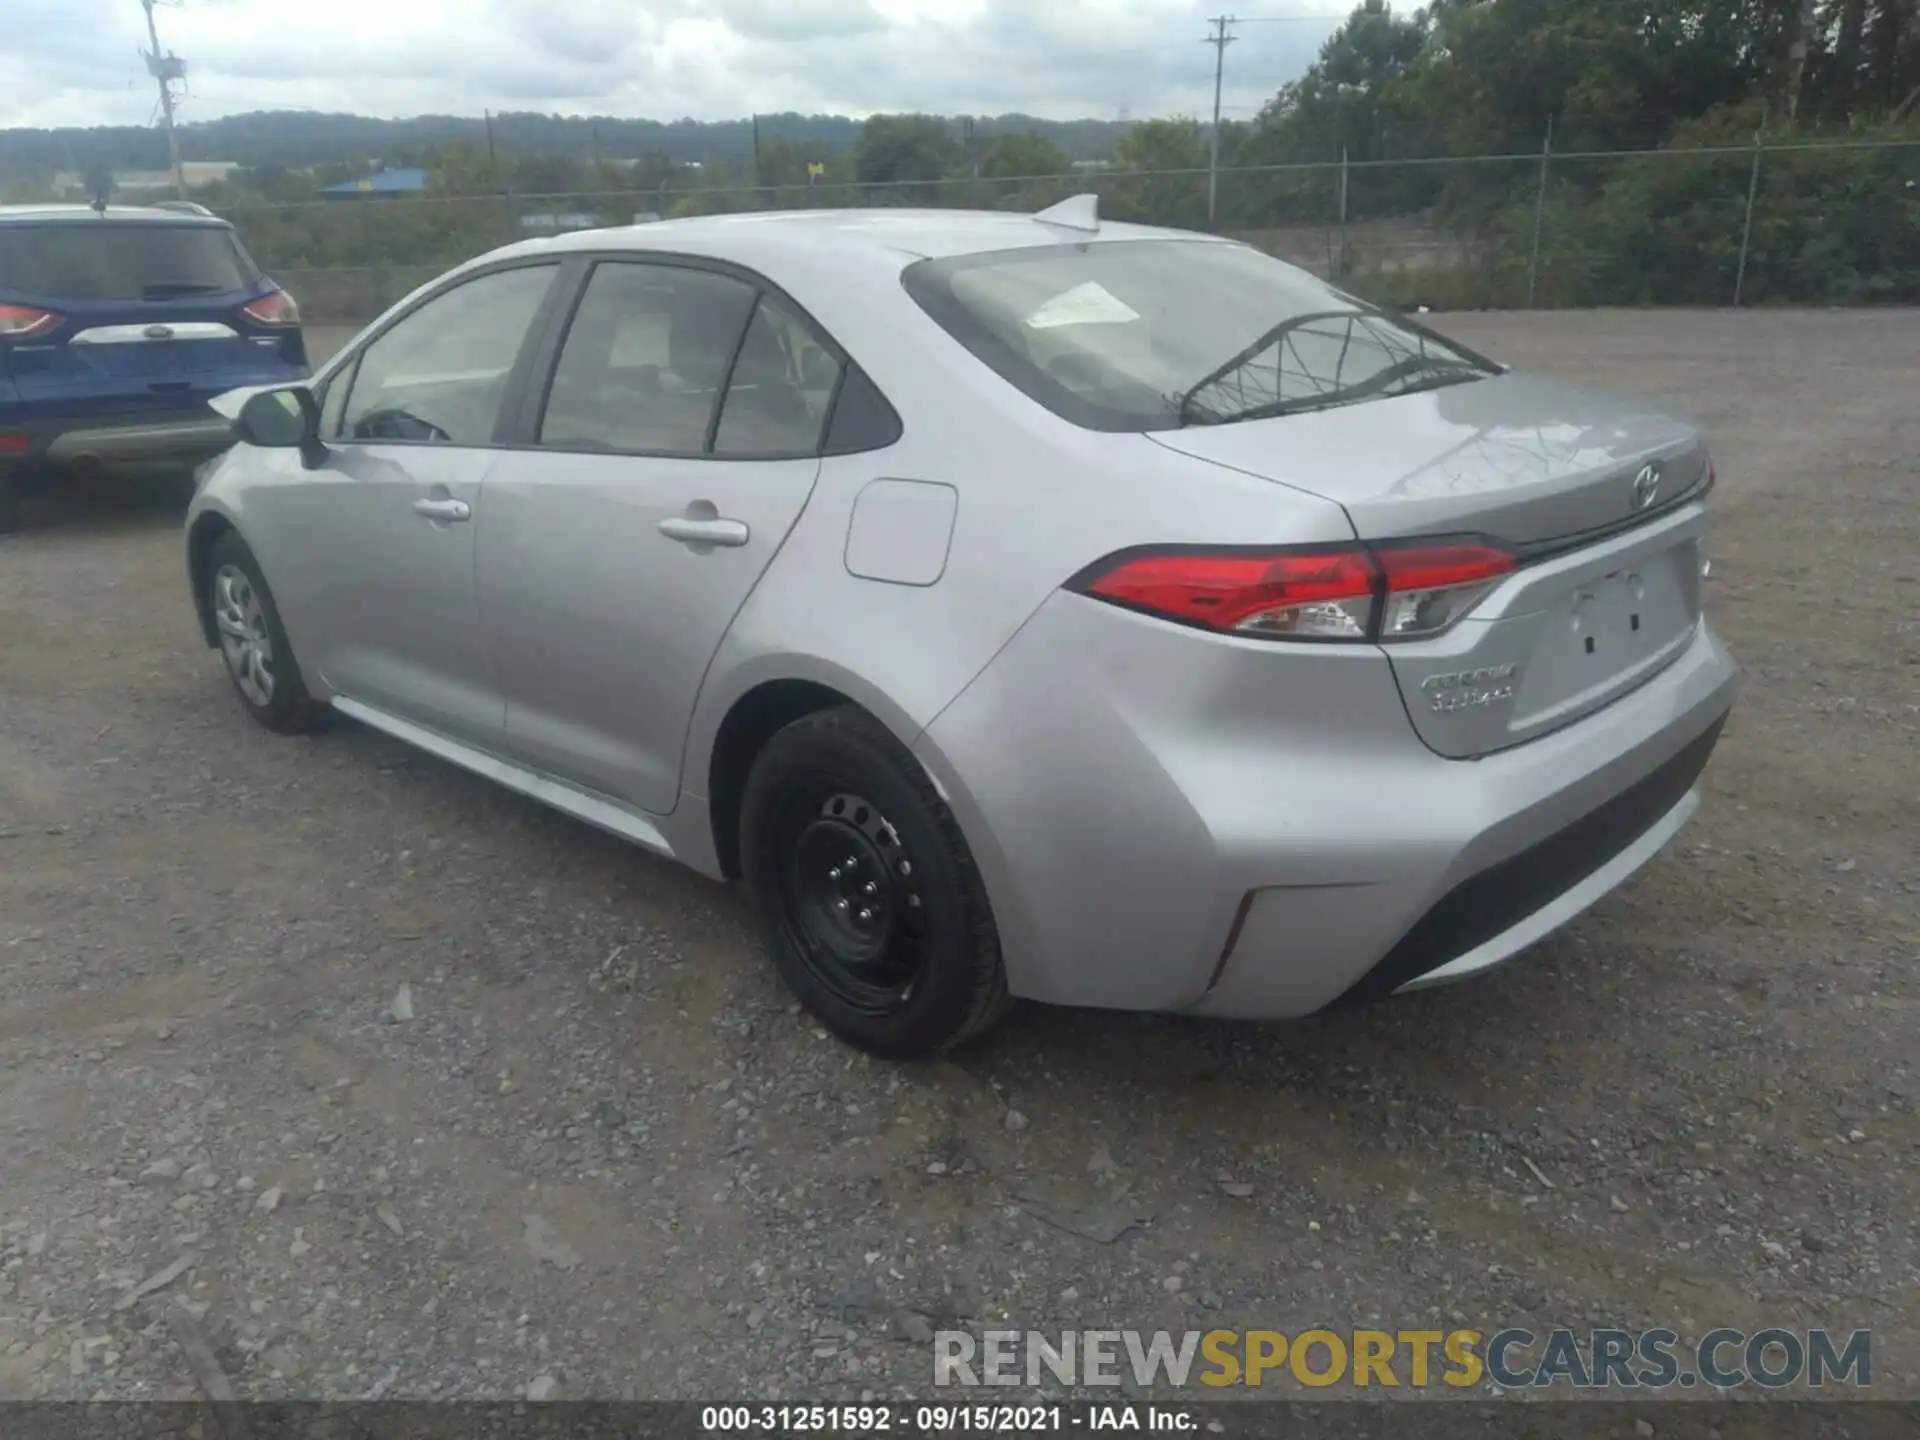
(855, 895)
(242, 623)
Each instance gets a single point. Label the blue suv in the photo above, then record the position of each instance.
(117, 325)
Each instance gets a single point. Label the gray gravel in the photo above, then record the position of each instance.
(390, 1084)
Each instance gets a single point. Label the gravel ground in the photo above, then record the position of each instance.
(603, 1155)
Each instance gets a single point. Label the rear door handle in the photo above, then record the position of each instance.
(705, 532)
(443, 509)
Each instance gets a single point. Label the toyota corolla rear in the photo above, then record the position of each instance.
(1247, 776)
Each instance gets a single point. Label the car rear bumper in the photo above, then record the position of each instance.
(1170, 820)
(174, 435)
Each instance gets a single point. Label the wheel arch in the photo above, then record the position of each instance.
(764, 702)
(202, 536)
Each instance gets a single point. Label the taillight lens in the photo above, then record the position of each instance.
(274, 309)
(25, 322)
(1431, 586)
(1385, 593)
(1309, 595)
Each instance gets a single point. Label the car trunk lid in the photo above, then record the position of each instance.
(1591, 494)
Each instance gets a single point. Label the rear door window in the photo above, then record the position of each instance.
(646, 360)
(781, 389)
(103, 260)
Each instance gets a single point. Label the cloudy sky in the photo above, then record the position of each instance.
(660, 59)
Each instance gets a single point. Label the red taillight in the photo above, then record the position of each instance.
(1389, 592)
(1308, 594)
(25, 322)
(14, 444)
(1431, 586)
(274, 309)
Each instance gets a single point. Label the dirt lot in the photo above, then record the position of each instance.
(605, 1156)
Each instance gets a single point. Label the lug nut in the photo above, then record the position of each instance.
(840, 905)
(865, 916)
(834, 873)
(870, 888)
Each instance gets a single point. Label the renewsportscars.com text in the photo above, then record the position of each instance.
(1510, 1358)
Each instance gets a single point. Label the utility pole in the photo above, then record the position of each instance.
(166, 69)
(1220, 39)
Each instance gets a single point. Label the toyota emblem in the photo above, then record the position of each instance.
(1646, 486)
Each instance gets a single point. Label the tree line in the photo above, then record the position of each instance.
(1556, 86)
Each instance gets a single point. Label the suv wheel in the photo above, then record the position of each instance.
(254, 643)
(10, 486)
(872, 907)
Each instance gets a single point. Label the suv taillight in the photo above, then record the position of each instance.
(1347, 592)
(25, 322)
(276, 308)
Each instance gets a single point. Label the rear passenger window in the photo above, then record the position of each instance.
(781, 389)
(646, 358)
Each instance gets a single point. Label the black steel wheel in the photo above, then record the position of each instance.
(873, 909)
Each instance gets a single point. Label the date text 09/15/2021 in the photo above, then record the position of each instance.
(948, 1419)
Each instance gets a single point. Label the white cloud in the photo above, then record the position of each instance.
(662, 59)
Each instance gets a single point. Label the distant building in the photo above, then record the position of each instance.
(130, 184)
(384, 183)
(559, 224)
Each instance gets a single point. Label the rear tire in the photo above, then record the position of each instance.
(10, 484)
(873, 910)
(260, 660)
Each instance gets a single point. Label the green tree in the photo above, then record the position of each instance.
(905, 154)
(1017, 167)
(1164, 164)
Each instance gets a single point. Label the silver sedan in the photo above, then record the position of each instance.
(1021, 605)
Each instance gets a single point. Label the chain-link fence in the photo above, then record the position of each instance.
(1808, 223)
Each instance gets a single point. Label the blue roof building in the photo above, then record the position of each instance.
(387, 182)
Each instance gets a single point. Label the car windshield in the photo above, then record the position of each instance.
(1158, 334)
(97, 259)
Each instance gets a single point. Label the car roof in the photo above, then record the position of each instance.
(891, 237)
(116, 214)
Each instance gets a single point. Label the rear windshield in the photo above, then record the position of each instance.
(1157, 334)
(98, 259)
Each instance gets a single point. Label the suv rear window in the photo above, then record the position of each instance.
(98, 259)
(1136, 335)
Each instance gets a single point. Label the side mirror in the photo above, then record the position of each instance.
(279, 419)
(283, 419)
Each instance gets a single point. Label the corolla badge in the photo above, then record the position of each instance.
(1470, 689)
(1646, 485)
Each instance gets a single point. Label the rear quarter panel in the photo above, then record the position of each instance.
(1038, 500)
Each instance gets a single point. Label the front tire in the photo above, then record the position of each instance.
(254, 643)
(873, 910)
